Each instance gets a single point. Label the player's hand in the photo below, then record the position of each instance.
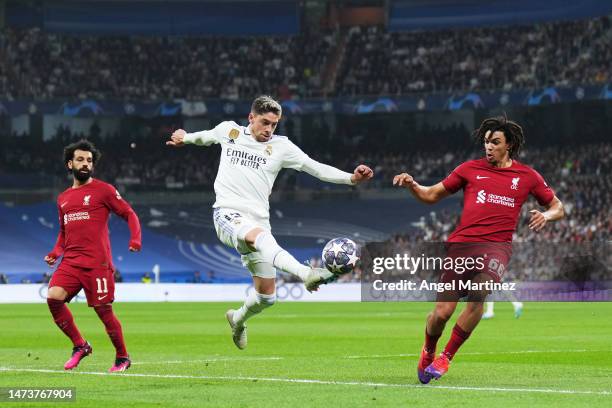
(177, 138)
(50, 260)
(134, 246)
(362, 173)
(405, 180)
(537, 220)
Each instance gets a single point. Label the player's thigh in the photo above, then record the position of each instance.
(232, 226)
(99, 286)
(65, 283)
(480, 295)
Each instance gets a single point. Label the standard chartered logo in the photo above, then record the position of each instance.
(491, 198)
(482, 196)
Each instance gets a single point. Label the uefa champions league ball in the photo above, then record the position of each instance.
(340, 255)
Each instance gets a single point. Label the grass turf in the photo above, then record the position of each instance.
(555, 354)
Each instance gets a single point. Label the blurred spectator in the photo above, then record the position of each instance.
(197, 278)
(3, 279)
(211, 276)
(117, 276)
(146, 278)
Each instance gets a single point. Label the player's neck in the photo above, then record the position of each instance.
(502, 164)
(77, 184)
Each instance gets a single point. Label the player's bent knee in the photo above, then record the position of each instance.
(57, 293)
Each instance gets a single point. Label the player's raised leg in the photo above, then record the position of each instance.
(62, 288)
(264, 243)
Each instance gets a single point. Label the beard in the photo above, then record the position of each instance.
(81, 175)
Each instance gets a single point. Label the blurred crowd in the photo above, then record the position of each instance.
(515, 57)
(44, 66)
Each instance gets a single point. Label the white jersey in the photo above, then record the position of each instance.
(248, 168)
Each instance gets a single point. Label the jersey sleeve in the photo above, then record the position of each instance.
(119, 206)
(58, 249)
(456, 180)
(209, 137)
(540, 190)
(296, 159)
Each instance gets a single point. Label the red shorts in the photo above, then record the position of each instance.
(490, 258)
(98, 284)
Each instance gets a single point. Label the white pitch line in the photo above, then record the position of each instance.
(210, 360)
(309, 381)
(483, 353)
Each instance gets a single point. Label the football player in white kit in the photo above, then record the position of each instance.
(251, 158)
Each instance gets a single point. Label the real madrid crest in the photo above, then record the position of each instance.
(268, 150)
(233, 134)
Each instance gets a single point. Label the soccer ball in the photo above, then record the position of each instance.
(340, 255)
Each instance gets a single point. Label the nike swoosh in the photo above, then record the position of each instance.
(481, 177)
(102, 297)
(62, 206)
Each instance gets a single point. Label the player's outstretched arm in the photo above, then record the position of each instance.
(331, 174)
(425, 194)
(180, 137)
(554, 211)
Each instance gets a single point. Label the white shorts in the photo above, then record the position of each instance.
(231, 227)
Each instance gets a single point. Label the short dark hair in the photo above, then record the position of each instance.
(84, 145)
(264, 104)
(511, 130)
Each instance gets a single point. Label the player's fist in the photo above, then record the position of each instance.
(50, 260)
(404, 180)
(362, 173)
(537, 220)
(135, 246)
(177, 139)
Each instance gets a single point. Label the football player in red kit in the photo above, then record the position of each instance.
(494, 189)
(83, 243)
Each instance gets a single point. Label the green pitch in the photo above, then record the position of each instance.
(326, 354)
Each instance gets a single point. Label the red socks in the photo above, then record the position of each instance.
(64, 320)
(458, 337)
(430, 342)
(113, 328)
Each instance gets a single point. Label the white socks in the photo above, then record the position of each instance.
(271, 252)
(254, 304)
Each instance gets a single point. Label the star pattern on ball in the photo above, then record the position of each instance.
(352, 260)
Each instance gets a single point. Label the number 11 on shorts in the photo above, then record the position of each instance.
(99, 282)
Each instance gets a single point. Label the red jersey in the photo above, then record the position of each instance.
(492, 198)
(83, 216)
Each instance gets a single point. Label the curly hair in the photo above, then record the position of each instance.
(84, 145)
(511, 130)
